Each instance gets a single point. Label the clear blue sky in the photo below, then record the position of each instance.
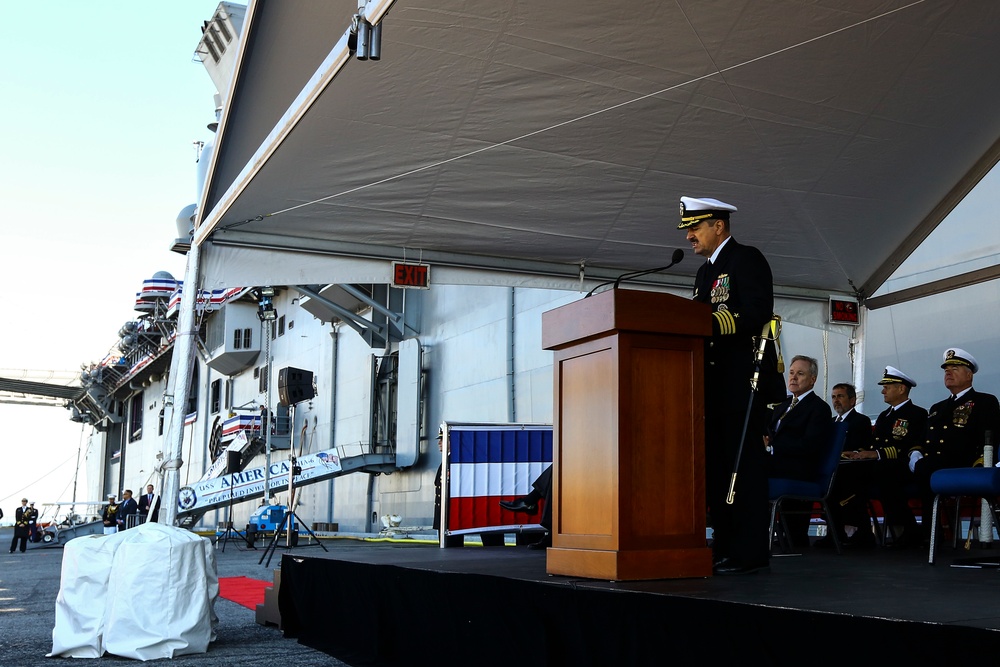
(101, 104)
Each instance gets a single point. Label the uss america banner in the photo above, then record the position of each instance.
(219, 490)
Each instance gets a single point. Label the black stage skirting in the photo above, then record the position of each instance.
(421, 605)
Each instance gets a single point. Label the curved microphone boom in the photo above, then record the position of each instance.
(674, 259)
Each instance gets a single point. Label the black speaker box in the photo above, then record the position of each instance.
(233, 460)
(294, 386)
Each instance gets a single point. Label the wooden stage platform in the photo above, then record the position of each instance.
(398, 604)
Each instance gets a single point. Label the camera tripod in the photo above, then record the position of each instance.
(286, 522)
(285, 529)
(229, 528)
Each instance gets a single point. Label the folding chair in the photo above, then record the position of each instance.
(977, 482)
(817, 491)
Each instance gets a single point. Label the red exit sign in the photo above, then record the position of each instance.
(405, 274)
(844, 311)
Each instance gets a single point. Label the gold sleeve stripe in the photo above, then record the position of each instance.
(727, 323)
(891, 452)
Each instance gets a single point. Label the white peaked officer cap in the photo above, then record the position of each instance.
(694, 210)
(893, 375)
(956, 356)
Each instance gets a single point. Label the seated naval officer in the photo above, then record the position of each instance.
(849, 506)
(900, 428)
(957, 427)
(800, 427)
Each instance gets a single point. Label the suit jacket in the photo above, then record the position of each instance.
(900, 430)
(738, 285)
(125, 509)
(859, 432)
(798, 438)
(144, 506)
(957, 430)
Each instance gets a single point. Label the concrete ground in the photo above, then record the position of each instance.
(29, 584)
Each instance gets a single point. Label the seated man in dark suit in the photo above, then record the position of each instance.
(850, 491)
(800, 427)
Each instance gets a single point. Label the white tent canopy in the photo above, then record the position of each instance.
(542, 139)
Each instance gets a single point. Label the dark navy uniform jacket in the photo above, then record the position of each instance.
(738, 287)
(956, 430)
(898, 431)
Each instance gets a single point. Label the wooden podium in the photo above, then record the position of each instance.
(628, 436)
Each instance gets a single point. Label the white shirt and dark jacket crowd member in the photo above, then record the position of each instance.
(800, 428)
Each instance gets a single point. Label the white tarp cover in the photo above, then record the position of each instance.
(145, 593)
(545, 137)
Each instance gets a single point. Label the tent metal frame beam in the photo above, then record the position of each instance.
(484, 263)
(934, 287)
(978, 171)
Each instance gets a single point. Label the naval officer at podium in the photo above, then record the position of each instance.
(736, 280)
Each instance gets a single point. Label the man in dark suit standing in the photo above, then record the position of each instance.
(736, 281)
(126, 508)
(149, 505)
(957, 427)
(800, 428)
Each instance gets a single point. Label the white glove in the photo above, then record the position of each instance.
(914, 457)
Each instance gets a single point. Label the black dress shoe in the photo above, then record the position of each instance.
(543, 543)
(732, 567)
(519, 505)
(719, 561)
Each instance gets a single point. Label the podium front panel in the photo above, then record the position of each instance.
(662, 413)
(588, 424)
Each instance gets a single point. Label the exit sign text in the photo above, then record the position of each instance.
(409, 275)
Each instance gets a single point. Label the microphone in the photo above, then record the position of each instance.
(674, 259)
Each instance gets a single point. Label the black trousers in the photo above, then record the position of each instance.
(24, 542)
(543, 487)
(740, 530)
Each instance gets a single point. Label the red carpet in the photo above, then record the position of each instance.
(243, 590)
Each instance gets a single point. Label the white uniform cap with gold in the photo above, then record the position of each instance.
(895, 376)
(956, 356)
(695, 210)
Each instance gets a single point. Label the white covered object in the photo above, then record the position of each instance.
(145, 593)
